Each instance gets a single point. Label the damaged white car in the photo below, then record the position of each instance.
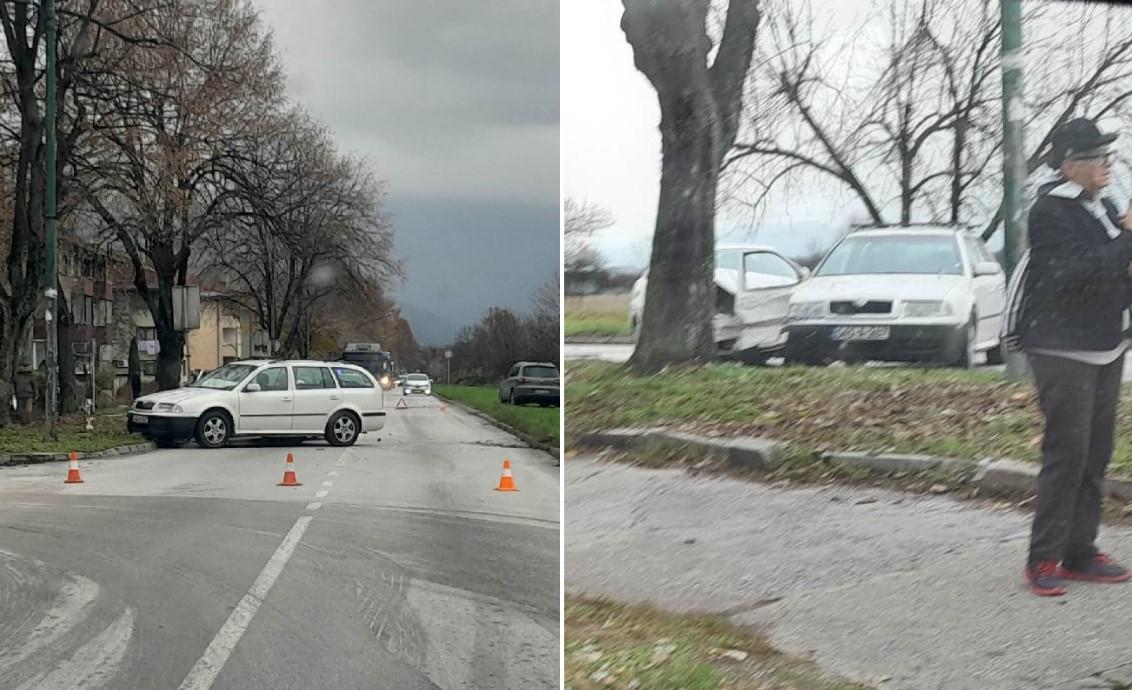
(753, 284)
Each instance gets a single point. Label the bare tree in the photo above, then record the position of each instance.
(168, 117)
(580, 220)
(700, 106)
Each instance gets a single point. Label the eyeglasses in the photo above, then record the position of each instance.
(1097, 159)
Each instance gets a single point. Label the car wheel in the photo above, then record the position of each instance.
(511, 400)
(342, 430)
(967, 345)
(214, 428)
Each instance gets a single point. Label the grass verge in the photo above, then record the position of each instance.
(623, 647)
(597, 315)
(944, 412)
(541, 423)
(109, 432)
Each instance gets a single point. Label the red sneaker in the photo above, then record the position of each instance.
(1044, 578)
(1099, 568)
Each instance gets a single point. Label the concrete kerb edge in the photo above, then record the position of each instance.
(994, 475)
(14, 459)
(525, 438)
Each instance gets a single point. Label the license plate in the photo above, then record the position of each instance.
(860, 333)
(141, 419)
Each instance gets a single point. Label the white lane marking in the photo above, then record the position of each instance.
(321, 494)
(314, 505)
(328, 483)
(68, 610)
(95, 663)
(332, 474)
(204, 672)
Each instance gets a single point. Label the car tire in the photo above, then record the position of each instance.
(511, 399)
(214, 429)
(967, 352)
(343, 429)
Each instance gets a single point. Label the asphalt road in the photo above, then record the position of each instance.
(896, 590)
(394, 565)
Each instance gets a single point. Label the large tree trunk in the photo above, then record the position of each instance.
(680, 295)
(699, 118)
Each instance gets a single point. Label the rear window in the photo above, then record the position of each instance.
(418, 377)
(540, 372)
(349, 378)
(310, 378)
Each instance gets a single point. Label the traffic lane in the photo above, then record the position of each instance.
(441, 457)
(172, 567)
(465, 602)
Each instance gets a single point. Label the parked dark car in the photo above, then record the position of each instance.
(531, 382)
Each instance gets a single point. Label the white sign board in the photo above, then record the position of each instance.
(448, 354)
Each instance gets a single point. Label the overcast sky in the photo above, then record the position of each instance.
(456, 105)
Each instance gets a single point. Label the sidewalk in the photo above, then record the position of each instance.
(887, 588)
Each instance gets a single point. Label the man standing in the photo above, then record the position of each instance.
(1072, 328)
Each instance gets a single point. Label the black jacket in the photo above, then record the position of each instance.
(1077, 283)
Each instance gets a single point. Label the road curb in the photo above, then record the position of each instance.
(600, 340)
(40, 458)
(990, 475)
(525, 438)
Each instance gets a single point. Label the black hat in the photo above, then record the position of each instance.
(1075, 137)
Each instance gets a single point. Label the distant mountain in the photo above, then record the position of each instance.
(429, 329)
(463, 257)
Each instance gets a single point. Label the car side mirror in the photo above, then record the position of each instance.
(252, 388)
(987, 268)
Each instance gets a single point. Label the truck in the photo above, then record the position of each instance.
(373, 359)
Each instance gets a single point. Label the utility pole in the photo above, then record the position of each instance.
(1014, 157)
(51, 273)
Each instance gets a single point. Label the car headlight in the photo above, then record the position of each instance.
(918, 309)
(169, 407)
(806, 310)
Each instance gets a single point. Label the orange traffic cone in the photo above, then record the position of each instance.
(506, 483)
(73, 473)
(289, 473)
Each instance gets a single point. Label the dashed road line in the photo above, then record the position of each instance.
(314, 505)
(321, 494)
(328, 483)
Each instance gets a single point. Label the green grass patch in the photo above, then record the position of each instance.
(109, 432)
(598, 315)
(612, 645)
(948, 412)
(541, 423)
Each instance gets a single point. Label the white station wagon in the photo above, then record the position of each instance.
(334, 400)
(906, 294)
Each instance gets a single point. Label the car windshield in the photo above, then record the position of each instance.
(540, 372)
(889, 254)
(225, 378)
(417, 377)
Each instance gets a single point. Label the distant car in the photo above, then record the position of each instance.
(907, 294)
(527, 382)
(753, 285)
(295, 398)
(416, 383)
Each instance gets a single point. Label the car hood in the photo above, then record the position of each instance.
(883, 287)
(179, 395)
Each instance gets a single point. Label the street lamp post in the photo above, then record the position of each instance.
(50, 273)
(448, 359)
(1013, 159)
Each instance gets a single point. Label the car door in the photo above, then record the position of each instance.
(990, 291)
(508, 383)
(316, 397)
(269, 408)
(767, 281)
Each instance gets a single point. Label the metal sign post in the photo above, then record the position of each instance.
(448, 359)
